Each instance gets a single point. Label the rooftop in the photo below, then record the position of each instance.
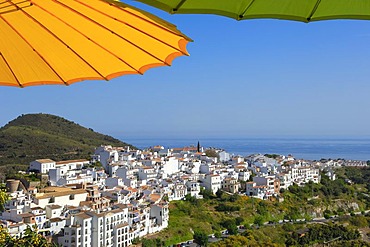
(60, 193)
(45, 161)
(70, 161)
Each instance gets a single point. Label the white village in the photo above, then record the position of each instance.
(122, 194)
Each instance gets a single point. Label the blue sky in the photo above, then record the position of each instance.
(267, 78)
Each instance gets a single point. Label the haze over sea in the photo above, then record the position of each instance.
(310, 149)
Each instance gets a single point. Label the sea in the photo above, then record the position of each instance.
(309, 149)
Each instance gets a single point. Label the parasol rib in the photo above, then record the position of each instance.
(163, 42)
(164, 23)
(314, 10)
(62, 4)
(16, 9)
(100, 46)
(59, 39)
(7, 64)
(178, 6)
(245, 11)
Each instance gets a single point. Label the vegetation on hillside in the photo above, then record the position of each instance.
(321, 233)
(222, 211)
(357, 175)
(30, 238)
(34, 136)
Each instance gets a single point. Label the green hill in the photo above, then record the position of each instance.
(34, 136)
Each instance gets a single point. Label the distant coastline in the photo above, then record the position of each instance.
(301, 148)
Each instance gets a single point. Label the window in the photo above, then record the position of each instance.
(71, 197)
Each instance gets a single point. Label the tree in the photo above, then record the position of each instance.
(327, 213)
(258, 220)
(219, 193)
(165, 198)
(136, 240)
(206, 193)
(30, 238)
(218, 234)
(262, 208)
(231, 227)
(239, 220)
(201, 238)
(233, 197)
(211, 153)
(4, 197)
(192, 199)
(273, 156)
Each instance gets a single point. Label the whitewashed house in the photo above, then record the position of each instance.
(40, 216)
(60, 196)
(193, 188)
(254, 190)
(179, 192)
(285, 180)
(147, 173)
(19, 203)
(212, 182)
(77, 231)
(42, 165)
(106, 155)
(170, 165)
(273, 184)
(53, 211)
(159, 215)
(230, 184)
(224, 156)
(56, 225)
(114, 182)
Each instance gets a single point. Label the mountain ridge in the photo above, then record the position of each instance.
(34, 136)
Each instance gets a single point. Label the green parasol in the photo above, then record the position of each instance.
(297, 10)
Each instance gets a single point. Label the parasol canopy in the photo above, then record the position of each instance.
(297, 10)
(66, 41)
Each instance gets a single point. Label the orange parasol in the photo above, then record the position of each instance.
(66, 41)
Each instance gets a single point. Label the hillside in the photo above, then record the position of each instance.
(340, 203)
(34, 136)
